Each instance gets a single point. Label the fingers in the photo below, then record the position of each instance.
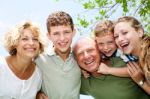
(135, 71)
(85, 73)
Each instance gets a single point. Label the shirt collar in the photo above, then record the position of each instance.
(52, 52)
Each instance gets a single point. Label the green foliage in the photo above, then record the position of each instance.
(83, 22)
(108, 8)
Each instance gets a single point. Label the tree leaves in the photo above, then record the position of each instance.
(108, 8)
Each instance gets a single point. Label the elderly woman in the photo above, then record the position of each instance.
(20, 78)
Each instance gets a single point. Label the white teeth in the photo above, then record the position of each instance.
(89, 62)
(30, 49)
(63, 44)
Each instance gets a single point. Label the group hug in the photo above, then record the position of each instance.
(113, 63)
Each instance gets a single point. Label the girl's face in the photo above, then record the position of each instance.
(106, 44)
(127, 38)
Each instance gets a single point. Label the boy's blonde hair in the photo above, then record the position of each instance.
(59, 18)
(103, 28)
(12, 37)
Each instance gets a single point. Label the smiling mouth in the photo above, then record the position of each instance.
(31, 49)
(89, 62)
(124, 45)
(63, 44)
(107, 52)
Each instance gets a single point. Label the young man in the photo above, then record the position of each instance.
(61, 74)
(103, 86)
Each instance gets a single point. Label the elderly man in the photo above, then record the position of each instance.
(103, 86)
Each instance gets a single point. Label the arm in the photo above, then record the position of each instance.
(116, 71)
(137, 76)
(85, 73)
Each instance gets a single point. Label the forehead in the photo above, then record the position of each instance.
(29, 32)
(105, 36)
(59, 28)
(122, 25)
(85, 44)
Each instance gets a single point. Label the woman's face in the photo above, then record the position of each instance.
(127, 38)
(28, 45)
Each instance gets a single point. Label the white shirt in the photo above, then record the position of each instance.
(12, 87)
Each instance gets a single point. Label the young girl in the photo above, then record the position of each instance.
(128, 34)
(20, 78)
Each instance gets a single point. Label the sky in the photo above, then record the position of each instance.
(13, 12)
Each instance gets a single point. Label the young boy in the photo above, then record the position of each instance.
(61, 73)
(106, 43)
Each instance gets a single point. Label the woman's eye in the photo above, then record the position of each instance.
(24, 39)
(35, 39)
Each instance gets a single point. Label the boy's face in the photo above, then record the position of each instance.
(106, 44)
(61, 36)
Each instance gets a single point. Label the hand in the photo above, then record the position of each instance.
(103, 68)
(41, 95)
(85, 73)
(135, 71)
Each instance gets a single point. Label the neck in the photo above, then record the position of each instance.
(95, 74)
(64, 55)
(137, 50)
(19, 64)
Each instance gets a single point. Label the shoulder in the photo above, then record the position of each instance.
(41, 57)
(118, 62)
(38, 73)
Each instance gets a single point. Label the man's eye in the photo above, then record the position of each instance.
(116, 36)
(124, 33)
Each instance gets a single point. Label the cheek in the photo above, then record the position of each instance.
(114, 46)
(117, 42)
(79, 60)
(100, 48)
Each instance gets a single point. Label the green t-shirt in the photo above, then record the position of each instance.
(112, 87)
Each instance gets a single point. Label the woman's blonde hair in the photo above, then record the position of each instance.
(11, 38)
(133, 22)
(145, 56)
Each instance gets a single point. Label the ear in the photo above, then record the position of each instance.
(140, 32)
(74, 32)
(48, 35)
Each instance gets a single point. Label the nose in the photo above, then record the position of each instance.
(86, 55)
(119, 39)
(31, 42)
(105, 47)
(62, 37)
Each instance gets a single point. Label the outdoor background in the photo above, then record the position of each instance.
(85, 14)
(13, 12)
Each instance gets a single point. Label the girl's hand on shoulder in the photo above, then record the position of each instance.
(135, 71)
(85, 73)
